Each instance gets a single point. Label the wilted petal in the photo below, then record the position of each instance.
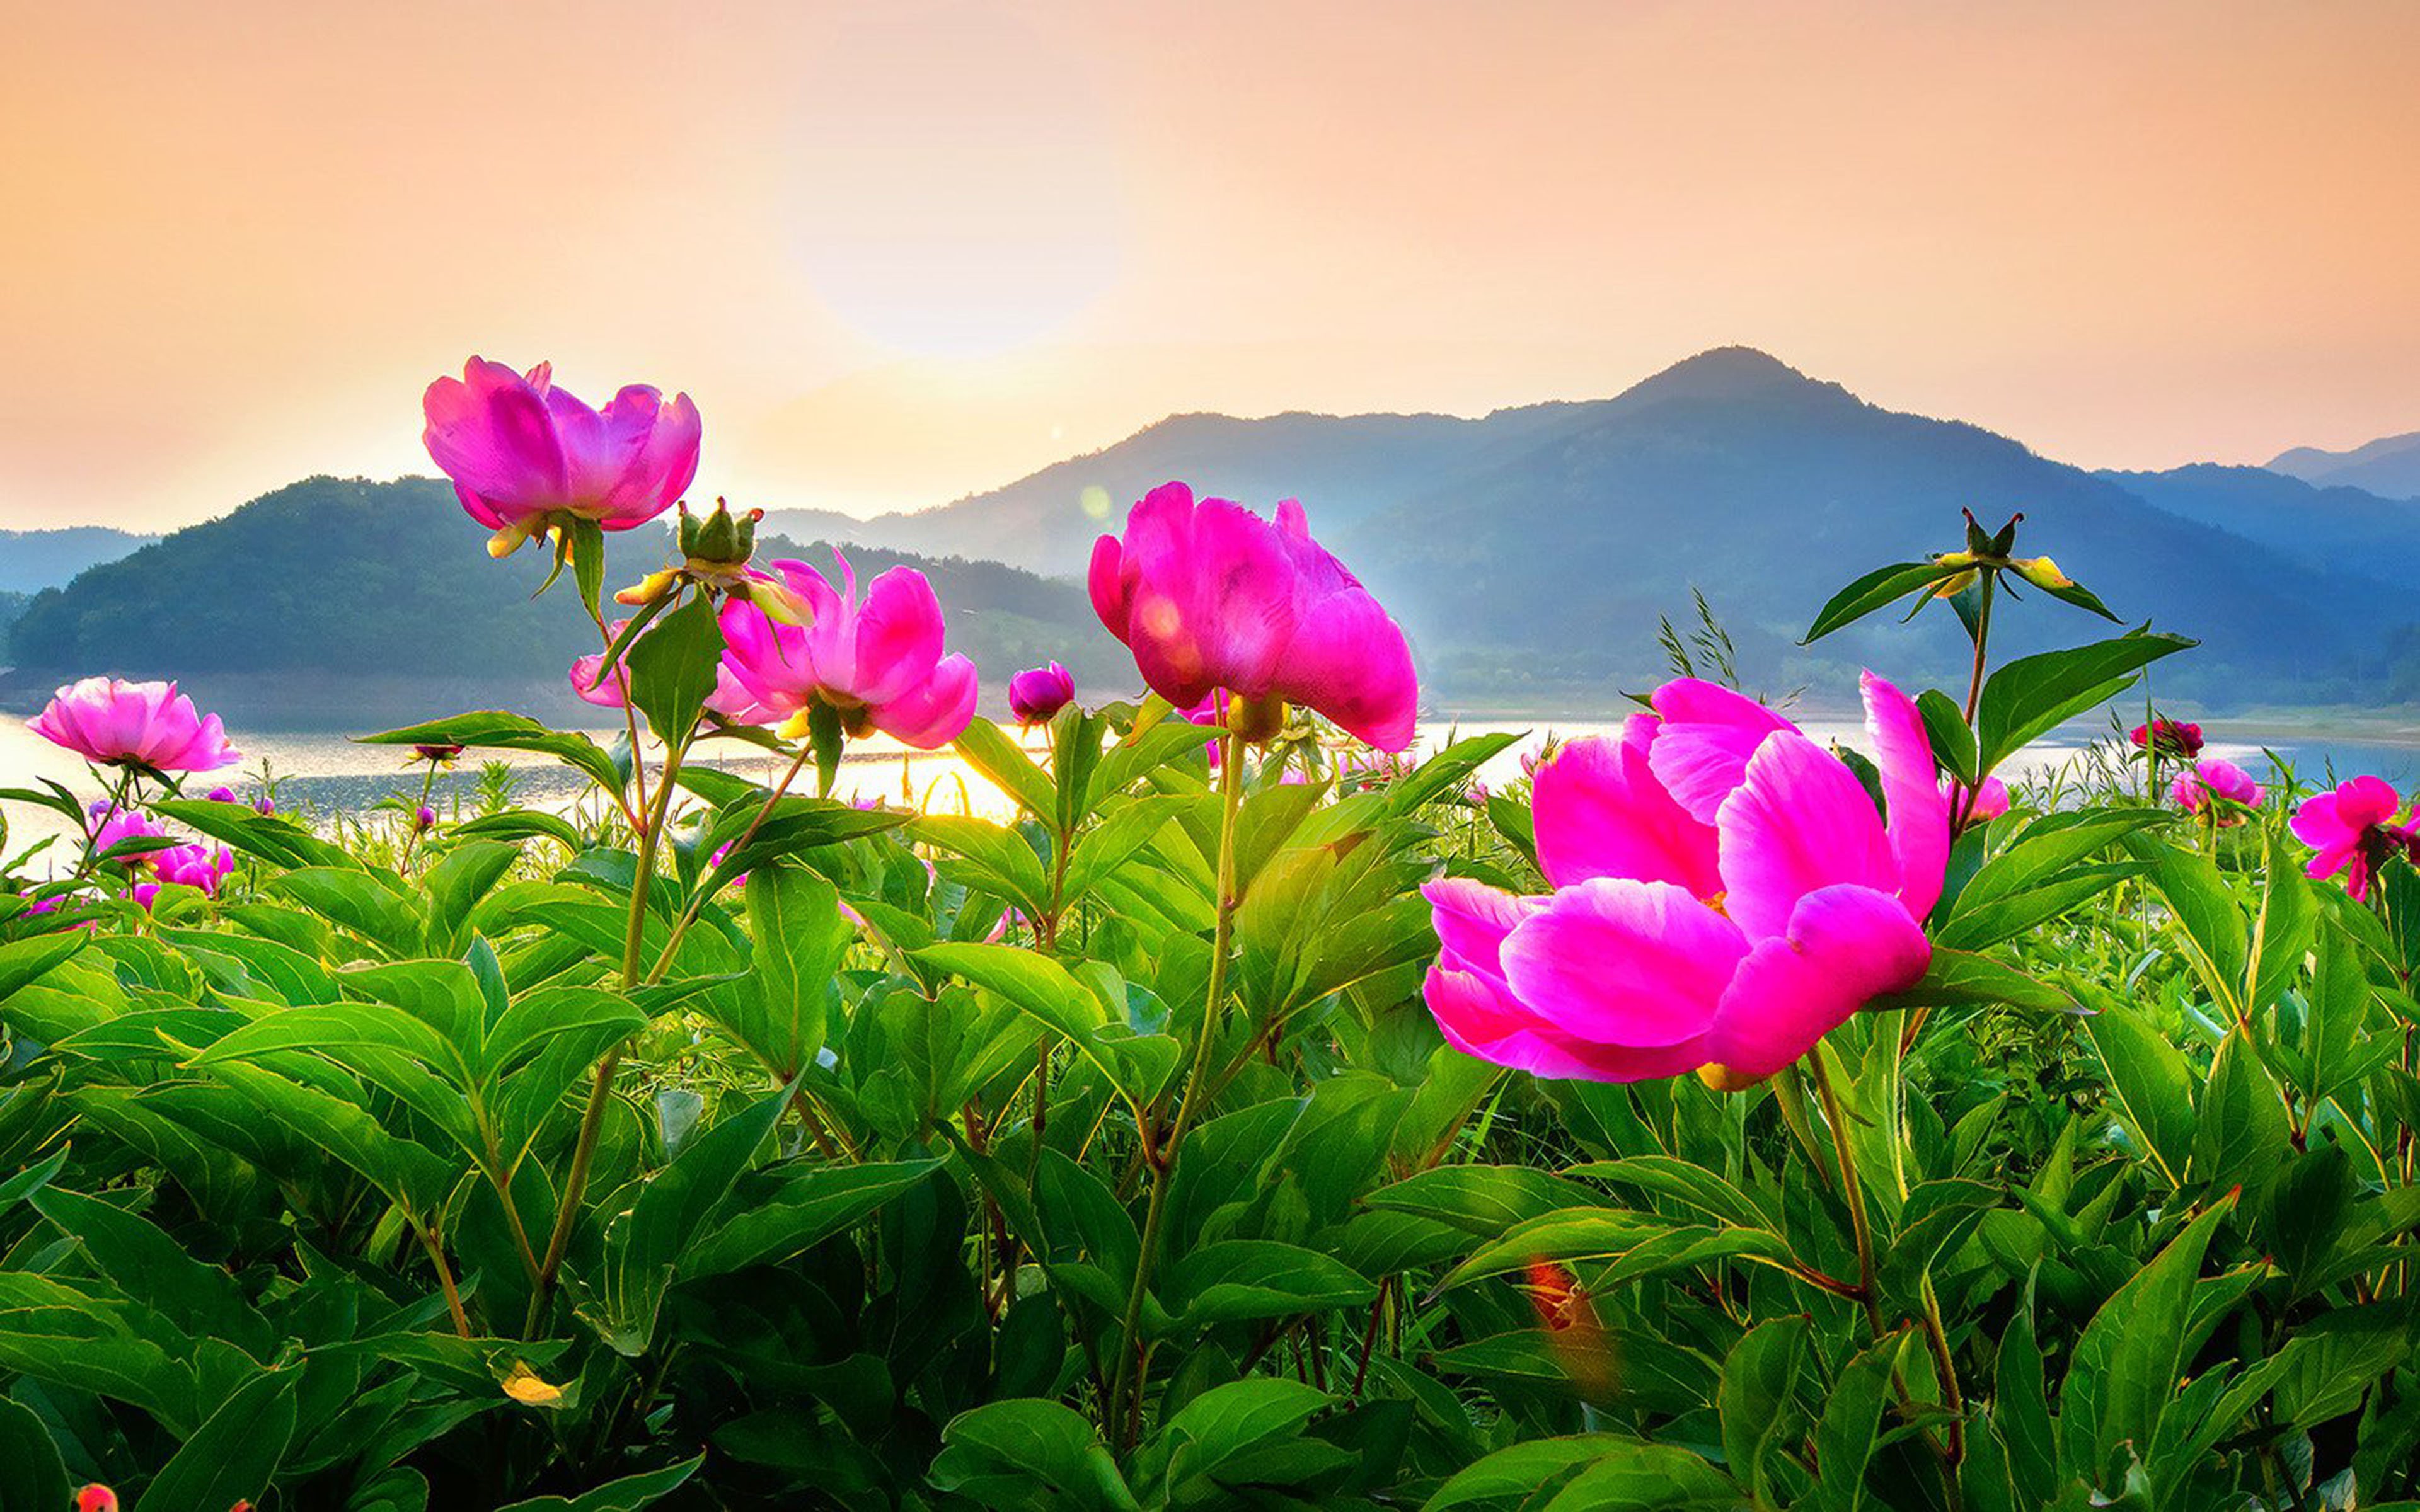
(1799, 822)
(1844, 946)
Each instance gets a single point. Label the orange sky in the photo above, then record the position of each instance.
(902, 251)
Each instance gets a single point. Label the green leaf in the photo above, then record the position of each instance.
(145, 1263)
(38, 1478)
(1449, 772)
(1845, 1437)
(2153, 1086)
(990, 860)
(270, 836)
(996, 754)
(2205, 911)
(25, 962)
(2287, 926)
(798, 936)
(1225, 1422)
(1041, 989)
(1883, 586)
(1956, 977)
(373, 906)
(629, 1494)
(672, 669)
(494, 729)
(1245, 1278)
(794, 825)
(1483, 1199)
(645, 1246)
(1622, 1475)
(2032, 694)
(233, 1454)
(2124, 1371)
(1110, 845)
(2242, 1131)
(1953, 742)
(585, 540)
(1757, 1400)
(781, 1212)
(1028, 1455)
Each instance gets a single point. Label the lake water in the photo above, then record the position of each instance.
(323, 774)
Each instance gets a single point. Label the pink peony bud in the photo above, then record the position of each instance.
(1038, 692)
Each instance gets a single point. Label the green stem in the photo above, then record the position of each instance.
(1163, 1158)
(688, 913)
(1964, 806)
(1851, 1191)
(592, 1121)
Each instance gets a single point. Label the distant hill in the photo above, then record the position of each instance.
(2389, 466)
(338, 594)
(1531, 552)
(31, 561)
(2319, 525)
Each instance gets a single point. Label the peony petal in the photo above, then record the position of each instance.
(1844, 946)
(1478, 1018)
(1800, 821)
(1213, 599)
(1472, 919)
(936, 711)
(899, 637)
(1108, 585)
(1600, 812)
(1348, 661)
(1709, 733)
(1919, 813)
(1618, 961)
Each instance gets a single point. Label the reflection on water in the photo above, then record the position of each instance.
(323, 774)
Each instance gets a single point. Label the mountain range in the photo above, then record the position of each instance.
(2389, 465)
(31, 561)
(1530, 553)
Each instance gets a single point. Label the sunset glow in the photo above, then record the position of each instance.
(905, 253)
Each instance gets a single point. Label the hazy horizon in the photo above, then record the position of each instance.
(902, 256)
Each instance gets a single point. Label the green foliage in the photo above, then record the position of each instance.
(1103, 1155)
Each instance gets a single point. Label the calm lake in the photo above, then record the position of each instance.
(324, 772)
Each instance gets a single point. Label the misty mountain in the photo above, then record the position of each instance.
(335, 595)
(2318, 525)
(31, 561)
(2389, 466)
(1532, 551)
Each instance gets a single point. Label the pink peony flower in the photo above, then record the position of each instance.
(1038, 692)
(1213, 598)
(195, 866)
(139, 724)
(114, 827)
(1475, 795)
(434, 755)
(1990, 799)
(264, 805)
(880, 661)
(729, 699)
(1726, 893)
(2214, 778)
(2349, 829)
(2175, 737)
(519, 450)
